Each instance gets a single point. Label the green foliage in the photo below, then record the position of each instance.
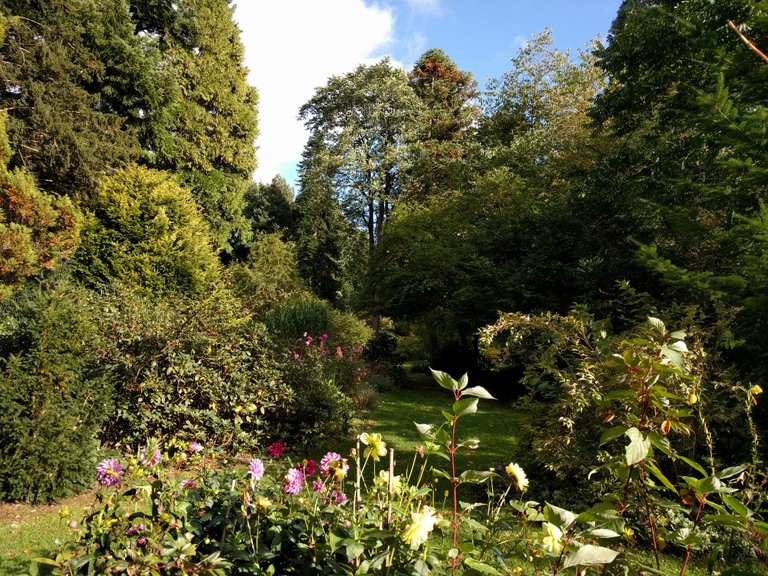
(270, 275)
(291, 321)
(37, 231)
(269, 207)
(195, 368)
(206, 131)
(53, 396)
(73, 73)
(358, 124)
(146, 233)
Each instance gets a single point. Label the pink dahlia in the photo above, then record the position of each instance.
(109, 472)
(276, 449)
(294, 481)
(329, 462)
(256, 469)
(188, 484)
(339, 497)
(195, 447)
(318, 486)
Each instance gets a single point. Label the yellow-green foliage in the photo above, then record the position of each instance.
(271, 274)
(147, 233)
(37, 231)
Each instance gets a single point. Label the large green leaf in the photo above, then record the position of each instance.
(444, 380)
(478, 566)
(479, 392)
(589, 555)
(638, 448)
(560, 517)
(465, 406)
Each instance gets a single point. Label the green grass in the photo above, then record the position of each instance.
(494, 425)
(28, 531)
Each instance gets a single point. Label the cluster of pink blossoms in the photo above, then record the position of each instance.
(294, 481)
(256, 469)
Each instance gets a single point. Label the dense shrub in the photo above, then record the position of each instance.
(147, 233)
(53, 400)
(269, 276)
(196, 368)
(290, 321)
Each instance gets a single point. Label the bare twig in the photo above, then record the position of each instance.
(747, 41)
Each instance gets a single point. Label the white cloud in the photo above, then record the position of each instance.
(291, 48)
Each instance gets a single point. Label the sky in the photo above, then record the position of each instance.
(293, 46)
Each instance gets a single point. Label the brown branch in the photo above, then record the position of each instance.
(747, 41)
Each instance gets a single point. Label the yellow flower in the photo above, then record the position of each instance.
(692, 398)
(422, 523)
(376, 445)
(517, 474)
(755, 391)
(263, 503)
(553, 541)
(340, 470)
(383, 479)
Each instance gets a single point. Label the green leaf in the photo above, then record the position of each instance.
(465, 406)
(657, 324)
(444, 380)
(589, 555)
(479, 392)
(560, 517)
(474, 476)
(695, 465)
(611, 434)
(660, 476)
(481, 567)
(604, 533)
(425, 430)
(638, 448)
(463, 381)
(678, 335)
(732, 471)
(736, 505)
(679, 346)
(354, 549)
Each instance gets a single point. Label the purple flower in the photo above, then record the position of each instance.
(135, 529)
(195, 447)
(153, 460)
(256, 469)
(318, 486)
(339, 497)
(294, 481)
(329, 462)
(141, 541)
(188, 484)
(109, 472)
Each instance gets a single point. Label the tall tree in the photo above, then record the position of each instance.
(359, 124)
(443, 140)
(73, 77)
(269, 207)
(208, 130)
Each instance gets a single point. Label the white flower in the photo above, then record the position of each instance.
(422, 523)
(553, 541)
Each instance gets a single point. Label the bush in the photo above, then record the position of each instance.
(290, 321)
(194, 368)
(270, 276)
(53, 399)
(147, 233)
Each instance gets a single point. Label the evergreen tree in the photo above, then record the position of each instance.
(269, 207)
(207, 132)
(73, 74)
(443, 141)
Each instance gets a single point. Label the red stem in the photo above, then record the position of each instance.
(689, 548)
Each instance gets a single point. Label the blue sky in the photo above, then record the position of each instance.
(292, 46)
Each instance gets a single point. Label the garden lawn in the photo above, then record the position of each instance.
(495, 425)
(28, 531)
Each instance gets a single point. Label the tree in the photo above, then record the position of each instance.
(444, 139)
(72, 74)
(359, 124)
(269, 207)
(207, 131)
